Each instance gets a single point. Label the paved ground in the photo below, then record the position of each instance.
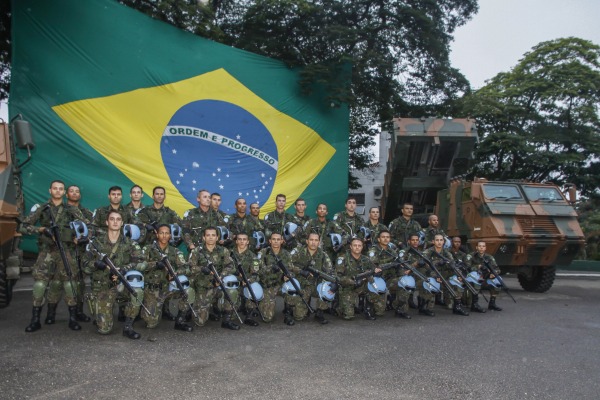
(546, 346)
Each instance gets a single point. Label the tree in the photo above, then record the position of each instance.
(540, 120)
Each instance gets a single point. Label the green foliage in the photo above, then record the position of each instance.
(540, 121)
(589, 219)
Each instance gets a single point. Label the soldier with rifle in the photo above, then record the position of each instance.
(115, 195)
(240, 222)
(403, 226)
(425, 299)
(374, 227)
(110, 256)
(463, 261)
(271, 278)
(486, 265)
(53, 259)
(248, 268)
(324, 227)
(197, 219)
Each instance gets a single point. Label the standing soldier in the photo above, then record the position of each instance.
(478, 258)
(349, 221)
(302, 258)
(324, 227)
(157, 214)
(271, 278)
(240, 222)
(403, 226)
(157, 279)
(247, 260)
(126, 255)
(347, 267)
(441, 257)
(300, 207)
(49, 263)
(136, 193)
(255, 214)
(208, 293)
(374, 227)
(215, 203)
(197, 219)
(115, 195)
(432, 230)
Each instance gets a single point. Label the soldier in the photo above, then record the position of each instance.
(49, 263)
(347, 267)
(245, 258)
(425, 298)
(197, 219)
(309, 256)
(349, 221)
(55, 288)
(403, 226)
(115, 195)
(157, 279)
(203, 277)
(300, 207)
(432, 230)
(324, 227)
(255, 214)
(438, 256)
(157, 214)
(136, 193)
(478, 258)
(271, 278)
(275, 220)
(374, 227)
(240, 222)
(382, 254)
(126, 255)
(215, 203)
(463, 261)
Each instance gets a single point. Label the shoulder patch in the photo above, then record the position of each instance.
(35, 207)
(185, 214)
(293, 252)
(138, 210)
(371, 254)
(340, 260)
(94, 213)
(335, 217)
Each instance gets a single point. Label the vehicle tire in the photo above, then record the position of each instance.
(540, 281)
(5, 289)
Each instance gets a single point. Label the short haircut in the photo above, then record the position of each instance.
(135, 186)
(57, 181)
(158, 187)
(115, 189)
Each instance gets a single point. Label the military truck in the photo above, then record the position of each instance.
(11, 203)
(529, 228)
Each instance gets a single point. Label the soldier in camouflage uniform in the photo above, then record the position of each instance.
(157, 279)
(55, 288)
(350, 222)
(240, 222)
(309, 256)
(244, 257)
(271, 277)
(215, 203)
(478, 258)
(126, 255)
(136, 193)
(197, 219)
(255, 214)
(115, 195)
(436, 255)
(425, 299)
(432, 230)
(207, 292)
(347, 267)
(403, 226)
(300, 207)
(381, 255)
(463, 261)
(49, 263)
(275, 220)
(323, 227)
(148, 218)
(374, 227)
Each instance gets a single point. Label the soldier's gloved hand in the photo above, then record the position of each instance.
(150, 227)
(205, 270)
(274, 269)
(358, 282)
(305, 273)
(421, 263)
(99, 264)
(333, 287)
(161, 264)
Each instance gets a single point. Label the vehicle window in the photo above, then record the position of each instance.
(542, 193)
(502, 192)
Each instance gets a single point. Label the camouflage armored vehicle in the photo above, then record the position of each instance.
(11, 204)
(530, 228)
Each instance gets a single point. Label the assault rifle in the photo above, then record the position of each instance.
(287, 274)
(55, 234)
(434, 268)
(246, 282)
(458, 272)
(219, 280)
(502, 284)
(367, 274)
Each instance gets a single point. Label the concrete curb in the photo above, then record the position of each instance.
(581, 265)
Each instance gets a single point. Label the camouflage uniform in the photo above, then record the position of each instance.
(156, 283)
(106, 288)
(375, 229)
(207, 293)
(426, 298)
(430, 233)
(350, 224)
(251, 266)
(195, 221)
(301, 258)
(447, 271)
(346, 268)
(275, 222)
(323, 229)
(463, 261)
(246, 224)
(130, 208)
(399, 297)
(271, 279)
(101, 216)
(154, 216)
(476, 264)
(401, 228)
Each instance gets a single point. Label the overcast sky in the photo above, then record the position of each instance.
(503, 30)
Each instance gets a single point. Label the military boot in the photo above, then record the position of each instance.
(81, 317)
(128, 329)
(73, 319)
(369, 314)
(288, 312)
(439, 299)
(180, 323)
(389, 302)
(423, 310)
(475, 304)
(51, 314)
(215, 315)
(492, 305)
(361, 305)
(227, 322)
(34, 325)
(401, 314)
(166, 313)
(248, 320)
(457, 309)
(121, 316)
(411, 302)
(320, 318)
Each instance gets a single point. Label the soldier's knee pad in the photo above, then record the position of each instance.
(39, 289)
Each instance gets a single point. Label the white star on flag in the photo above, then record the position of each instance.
(174, 151)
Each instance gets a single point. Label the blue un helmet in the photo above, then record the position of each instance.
(185, 282)
(223, 233)
(288, 231)
(474, 278)
(447, 242)
(231, 282)
(407, 283)
(175, 235)
(392, 247)
(261, 241)
(421, 238)
(494, 282)
(366, 232)
(132, 231)
(455, 281)
(289, 289)
(257, 289)
(324, 291)
(377, 286)
(135, 279)
(431, 285)
(80, 229)
(336, 241)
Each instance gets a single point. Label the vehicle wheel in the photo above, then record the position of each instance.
(5, 289)
(540, 281)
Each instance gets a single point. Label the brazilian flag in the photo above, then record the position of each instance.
(117, 98)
